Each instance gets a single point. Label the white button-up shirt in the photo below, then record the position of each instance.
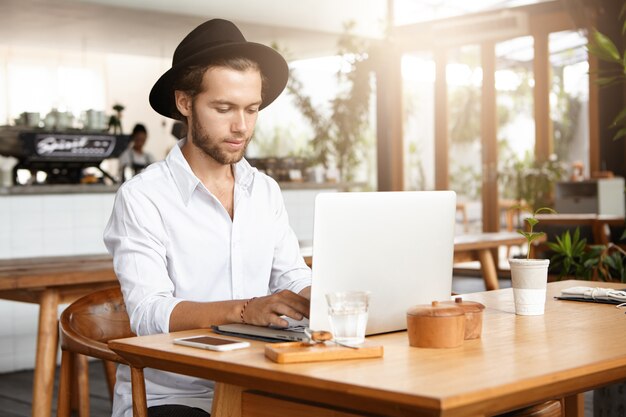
(172, 240)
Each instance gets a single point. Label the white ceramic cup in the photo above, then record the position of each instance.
(347, 313)
(529, 278)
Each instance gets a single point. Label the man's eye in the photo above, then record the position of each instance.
(222, 109)
(253, 110)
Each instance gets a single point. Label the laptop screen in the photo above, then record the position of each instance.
(397, 245)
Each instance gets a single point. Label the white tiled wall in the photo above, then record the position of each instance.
(49, 225)
(43, 225)
(72, 224)
(300, 205)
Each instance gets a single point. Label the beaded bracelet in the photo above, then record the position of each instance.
(244, 309)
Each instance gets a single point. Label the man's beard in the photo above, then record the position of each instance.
(211, 146)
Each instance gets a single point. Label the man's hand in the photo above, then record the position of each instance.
(267, 310)
(306, 292)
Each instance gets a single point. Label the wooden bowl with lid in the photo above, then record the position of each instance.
(473, 316)
(438, 325)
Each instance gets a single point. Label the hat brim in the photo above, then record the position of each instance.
(273, 67)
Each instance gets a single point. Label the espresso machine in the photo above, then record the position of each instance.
(64, 155)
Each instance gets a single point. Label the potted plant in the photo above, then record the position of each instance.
(574, 258)
(115, 121)
(530, 276)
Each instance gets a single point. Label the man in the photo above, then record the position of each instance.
(202, 238)
(134, 159)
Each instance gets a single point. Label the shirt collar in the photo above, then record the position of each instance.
(186, 181)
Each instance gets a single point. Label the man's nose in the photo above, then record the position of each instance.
(239, 122)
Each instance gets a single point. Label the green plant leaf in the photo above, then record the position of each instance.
(567, 242)
(534, 236)
(590, 263)
(560, 242)
(553, 247)
(604, 81)
(545, 209)
(620, 118)
(620, 133)
(580, 244)
(604, 48)
(610, 261)
(567, 266)
(580, 247)
(531, 221)
(623, 237)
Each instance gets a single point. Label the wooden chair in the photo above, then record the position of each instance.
(85, 327)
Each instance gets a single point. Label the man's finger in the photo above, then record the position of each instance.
(277, 321)
(286, 310)
(295, 301)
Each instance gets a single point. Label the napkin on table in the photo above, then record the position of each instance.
(594, 294)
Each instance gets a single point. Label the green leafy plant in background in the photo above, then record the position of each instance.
(569, 253)
(603, 48)
(531, 182)
(573, 257)
(342, 136)
(532, 221)
(607, 262)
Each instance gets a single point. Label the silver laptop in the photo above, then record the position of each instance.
(397, 245)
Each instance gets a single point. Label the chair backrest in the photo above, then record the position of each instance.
(90, 322)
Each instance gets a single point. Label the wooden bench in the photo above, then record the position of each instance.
(598, 223)
(49, 282)
(480, 247)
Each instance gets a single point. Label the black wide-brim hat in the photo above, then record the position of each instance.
(218, 38)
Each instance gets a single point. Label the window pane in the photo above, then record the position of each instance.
(418, 81)
(516, 123)
(569, 98)
(464, 80)
(42, 80)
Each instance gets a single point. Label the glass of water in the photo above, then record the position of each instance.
(347, 312)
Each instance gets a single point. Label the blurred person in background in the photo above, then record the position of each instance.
(134, 159)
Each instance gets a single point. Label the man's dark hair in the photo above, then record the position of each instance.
(190, 80)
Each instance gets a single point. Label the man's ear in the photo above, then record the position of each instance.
(183, 102)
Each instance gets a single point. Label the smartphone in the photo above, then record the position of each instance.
(212, 343)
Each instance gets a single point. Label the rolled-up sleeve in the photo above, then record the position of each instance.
(136, 238)
(289, 271)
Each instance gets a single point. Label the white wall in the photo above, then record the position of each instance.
(53, 225)
(43, 225)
